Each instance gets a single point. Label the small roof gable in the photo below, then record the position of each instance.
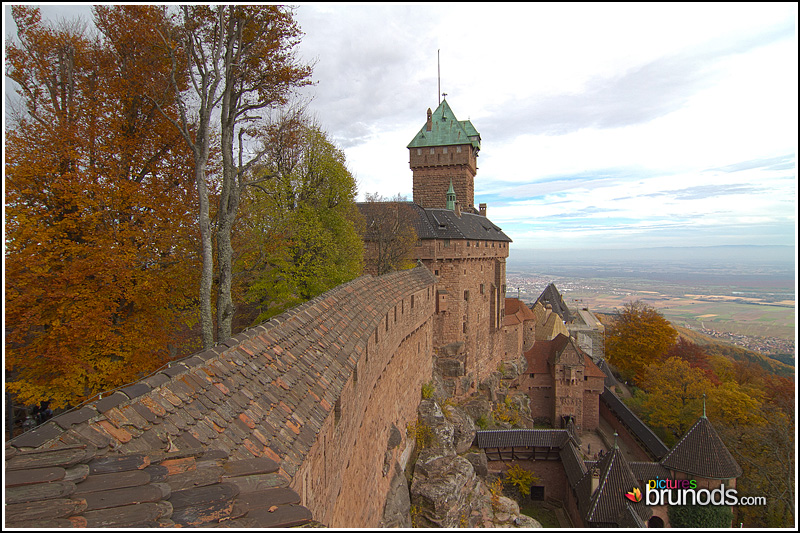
(516, 307)
(701, 453)
(446, 130)
(543, 352)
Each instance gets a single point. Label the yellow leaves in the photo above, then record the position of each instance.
(637, 337)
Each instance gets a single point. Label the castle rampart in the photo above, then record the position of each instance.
(314, 392)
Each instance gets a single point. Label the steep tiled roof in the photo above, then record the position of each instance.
(259, 398)
(446, 130)
(606, 505)
(653, 445)
(435, 223)
(701, 453)
(516, 308)
(590, 369)
(550, 295)
(550, 325)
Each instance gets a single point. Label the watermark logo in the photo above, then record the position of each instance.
(635, 495)
(685, 492)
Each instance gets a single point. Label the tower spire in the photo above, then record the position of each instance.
(704, 405)
(451, 197)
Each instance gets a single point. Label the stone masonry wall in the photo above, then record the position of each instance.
(471, 283)
(340, 481)
(434, 169)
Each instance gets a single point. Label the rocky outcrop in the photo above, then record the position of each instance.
(449, 487)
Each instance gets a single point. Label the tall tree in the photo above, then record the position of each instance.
(389, 233)
(241, 61)
(636, 337)
(99, 226)
(675, 394)
(301, 224)
(261, 72)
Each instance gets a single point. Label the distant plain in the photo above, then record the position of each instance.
(748, 291)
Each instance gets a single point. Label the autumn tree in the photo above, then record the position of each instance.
(636, 337)
(241, 61)
(389, 233)
(299, 228)
(98, 211)
(695, 355)
(675, 393)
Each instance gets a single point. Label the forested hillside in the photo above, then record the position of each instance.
(752, 408)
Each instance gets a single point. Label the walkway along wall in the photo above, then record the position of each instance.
(316, 390)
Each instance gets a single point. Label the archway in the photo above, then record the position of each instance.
(655, 521)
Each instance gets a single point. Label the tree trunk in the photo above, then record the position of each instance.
(229, 195)
(206, 251)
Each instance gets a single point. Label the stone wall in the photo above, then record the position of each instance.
(470, 278)
(433, 173)
(347, 473)
(623, 433)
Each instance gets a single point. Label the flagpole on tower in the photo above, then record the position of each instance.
(439, 75)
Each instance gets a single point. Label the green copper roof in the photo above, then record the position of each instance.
(446, 130)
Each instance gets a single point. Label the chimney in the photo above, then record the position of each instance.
(429, 124)
(482, 209)
(457, 208)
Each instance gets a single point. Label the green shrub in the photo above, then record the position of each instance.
(427, 390)
(693, 516)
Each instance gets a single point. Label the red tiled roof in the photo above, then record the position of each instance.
(590, 369)
(541, 351)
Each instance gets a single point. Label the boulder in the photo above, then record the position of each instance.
(477, 407)
(510, 370)
(397, 509)
(395, 438)
(450, 367)
(479, 463)
(463, 428)
(442, 491)
(491, 385)
(431, 416)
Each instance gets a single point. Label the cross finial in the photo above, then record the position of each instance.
(444, 95)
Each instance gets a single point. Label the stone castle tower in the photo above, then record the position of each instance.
(444, 151)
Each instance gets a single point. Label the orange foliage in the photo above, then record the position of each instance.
(100, 257)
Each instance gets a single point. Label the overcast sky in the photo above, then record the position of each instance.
(602, 126)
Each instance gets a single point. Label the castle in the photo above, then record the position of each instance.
(303, 417)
